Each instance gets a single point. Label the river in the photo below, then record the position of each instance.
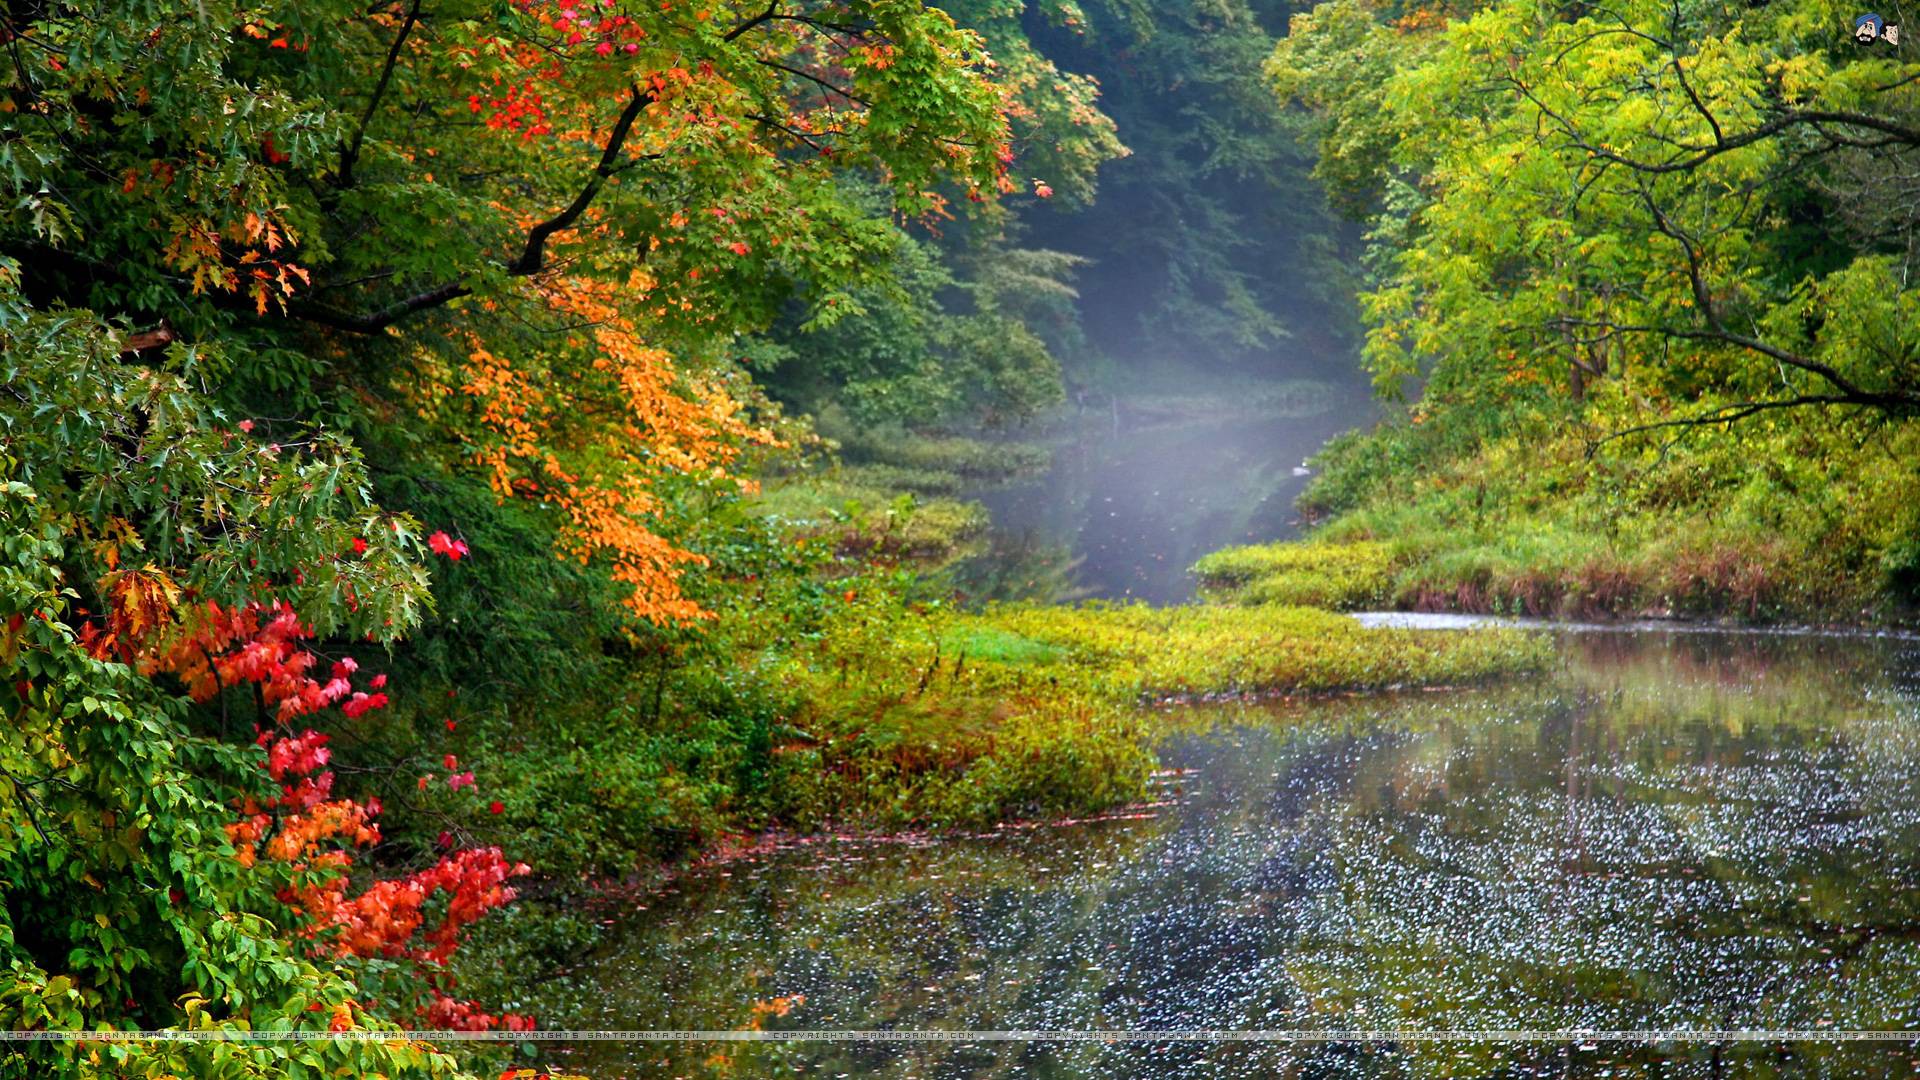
(1671, 830)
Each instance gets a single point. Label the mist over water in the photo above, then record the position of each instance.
(1132, 497)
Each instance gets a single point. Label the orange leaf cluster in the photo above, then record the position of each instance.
(592, 439)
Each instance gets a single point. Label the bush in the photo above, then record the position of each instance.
(1340, 576)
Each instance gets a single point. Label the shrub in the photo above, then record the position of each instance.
(1344, 576)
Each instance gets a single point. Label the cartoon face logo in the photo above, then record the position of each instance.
(1866, 28)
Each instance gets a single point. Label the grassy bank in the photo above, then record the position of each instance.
(837, 686)
(1809, 518)
(871, 706)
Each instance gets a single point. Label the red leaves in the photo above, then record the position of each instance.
(304, 753)
(441, 544)
(254, 644)
(454, 1015)
(271, 152)
(739, 247)
(386, 919)
(521, 110)
(359, 546)
(361, 703)
(263, 650)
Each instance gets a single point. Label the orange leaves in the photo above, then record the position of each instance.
(508, 403)
(611, 521)
(272, 281)
(214, 648)
(259, 230)
(664, 83)
(589, 424)
(199, 249)
(383, 920)
(312, 834)
(143, 601)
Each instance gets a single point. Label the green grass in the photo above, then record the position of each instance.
(1346, 577)
(908, 713)
(1132, 650)
(1798, 516)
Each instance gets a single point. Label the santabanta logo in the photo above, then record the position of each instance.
(1870, 28)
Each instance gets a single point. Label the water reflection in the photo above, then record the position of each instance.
(1672, 831)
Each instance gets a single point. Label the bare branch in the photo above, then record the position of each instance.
(1725, 414)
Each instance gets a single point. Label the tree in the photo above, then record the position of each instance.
(1190, 227)
(535, 224)
(511, 243)
(1639, 189)
(125, 495)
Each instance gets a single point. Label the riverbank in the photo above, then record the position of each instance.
(1796, 520)
(857, 705)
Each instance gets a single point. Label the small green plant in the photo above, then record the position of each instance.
(1341, 576)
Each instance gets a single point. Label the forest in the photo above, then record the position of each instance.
(465, 464)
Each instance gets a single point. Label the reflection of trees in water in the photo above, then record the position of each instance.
(1020, 565)
(1696, 832)
(1674, 831)
(967, 934)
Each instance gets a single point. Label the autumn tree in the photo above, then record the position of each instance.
(512, 245)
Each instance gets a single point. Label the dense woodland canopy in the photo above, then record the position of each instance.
(388, 388)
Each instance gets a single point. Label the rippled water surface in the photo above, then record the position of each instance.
(1673, 831)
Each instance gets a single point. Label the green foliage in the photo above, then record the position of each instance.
(925, 346)
(124, 903)
(1781, 518)
(1135, 650)
(507, 253)
(1666, 367)
(1189, 227)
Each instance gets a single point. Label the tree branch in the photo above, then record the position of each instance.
(350, 152)
(1725, 414)
(765, 16)
(385, 317)
(1703, 302)
(532, 258)
(829, 87)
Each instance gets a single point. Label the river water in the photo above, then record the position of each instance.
(1699, 831)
